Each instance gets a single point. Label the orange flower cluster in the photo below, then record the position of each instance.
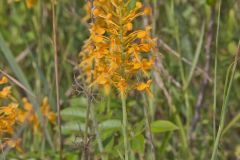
(30, 116)
(8, 115)
(116, 54)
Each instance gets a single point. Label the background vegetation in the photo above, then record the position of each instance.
(196, 82)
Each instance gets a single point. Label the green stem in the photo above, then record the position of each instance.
(180, 125)
(98, 136)
(1, 146)
(227, 90)
(215, 75)
(85, 151)
(55, 49)
(186, 99)
(149, 132)
(124, 112)
(183, 134)
(231, 123)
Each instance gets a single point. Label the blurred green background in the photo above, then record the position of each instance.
(184, 31)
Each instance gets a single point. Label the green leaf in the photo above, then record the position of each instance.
(162, 126)
(108, 143)
(110, 124)
(196, 57)
(78, 102)
(138, 144)
(73, 113)
(232, 47)
(72, 127)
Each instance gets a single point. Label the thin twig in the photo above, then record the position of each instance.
(24, 53)
(227, 89)
(54, 25)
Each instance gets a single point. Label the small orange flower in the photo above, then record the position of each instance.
(147, 11)
(51, 116)
(30, 3)
(8, 112)
(5, 92)
(144, 87)
(122, 86)
(30, 115)
(4, 80)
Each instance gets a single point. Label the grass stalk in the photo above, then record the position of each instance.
(85, 154)
(228, 86)
(215, 73)
(124, 123)
(1, 146)
(179, 123)
(183, 134)
(231, 124)
(54, 25)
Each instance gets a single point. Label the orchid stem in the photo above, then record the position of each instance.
(124, 111)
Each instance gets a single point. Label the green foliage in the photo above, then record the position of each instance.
(162, 126)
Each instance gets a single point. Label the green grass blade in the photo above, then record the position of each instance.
(235, 120)
(12, 62)
(196, 57)
(228, 87)
(215, 72)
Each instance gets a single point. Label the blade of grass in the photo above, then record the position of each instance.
(196, 57)
(227, 90)
(54, 27)
(186, 149)
(47, 88)
(233, 122)
(13, 64)
(124, 126)
(215, 73)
